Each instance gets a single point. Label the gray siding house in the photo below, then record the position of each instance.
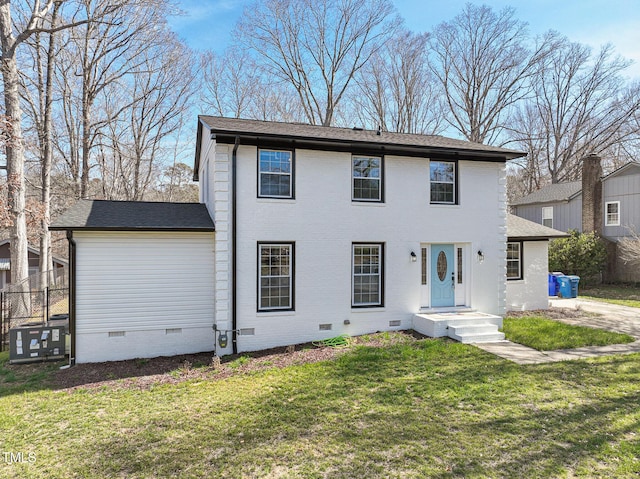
(557, 206)
(608, 205)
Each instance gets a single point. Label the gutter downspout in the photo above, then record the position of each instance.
(72, 296)
(234, 256)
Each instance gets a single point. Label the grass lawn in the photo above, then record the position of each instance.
(413, 409)
(626, 295)
(545, 334)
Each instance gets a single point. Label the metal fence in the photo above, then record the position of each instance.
(28, 302)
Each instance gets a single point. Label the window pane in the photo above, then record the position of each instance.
(513, 261)
(275, 277)
(443, 179)
(441, 193)
(366, 275)
(275, 185)
(366, 178)
(442, 171)
(424, 265)
(275, 173)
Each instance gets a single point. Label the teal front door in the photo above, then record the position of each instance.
(442, 276)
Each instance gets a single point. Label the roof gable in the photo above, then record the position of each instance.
(99, 215)
(631, 168)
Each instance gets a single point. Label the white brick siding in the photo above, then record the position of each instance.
(324, 222)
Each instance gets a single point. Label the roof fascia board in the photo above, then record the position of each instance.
(132, 229)
(228, 137)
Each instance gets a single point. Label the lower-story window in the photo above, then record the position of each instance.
(514, 260)
(367, 274)
(275, 276)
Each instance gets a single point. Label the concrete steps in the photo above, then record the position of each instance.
(475, 333)
(466, 326)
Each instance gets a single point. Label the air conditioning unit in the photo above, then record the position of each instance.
(36, 342)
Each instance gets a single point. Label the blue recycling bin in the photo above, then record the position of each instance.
(553, 285)
(574, 280)
(564, 286)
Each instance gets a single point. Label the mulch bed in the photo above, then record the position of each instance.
(146, 373)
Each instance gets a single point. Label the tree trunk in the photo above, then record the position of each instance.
(15, 151)
(46, 262)
(16, 196)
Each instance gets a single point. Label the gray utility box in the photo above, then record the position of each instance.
(36, 342)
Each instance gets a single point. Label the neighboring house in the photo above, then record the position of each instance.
(34, 262)
(527, 263)
(319, 231)
(609, 206)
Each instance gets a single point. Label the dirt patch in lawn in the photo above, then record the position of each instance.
(552, 313)
(146, 373)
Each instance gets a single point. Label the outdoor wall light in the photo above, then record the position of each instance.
(414, 258)
(480, 256)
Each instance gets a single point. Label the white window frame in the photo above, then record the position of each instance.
(379, 274)
(261, 194)
(517, 260)
(453, 183)
(546, 216)
(290, 272)
(378, 178)
(607, 215)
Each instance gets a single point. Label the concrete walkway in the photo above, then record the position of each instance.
(620, 319)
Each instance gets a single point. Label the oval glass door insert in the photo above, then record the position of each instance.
(441, 266)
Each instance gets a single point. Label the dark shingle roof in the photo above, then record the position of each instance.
(521, 229)
(551, 193)
(101, 215)
(298, 135)
(300, 130)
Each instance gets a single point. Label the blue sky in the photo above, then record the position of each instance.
(207, 24)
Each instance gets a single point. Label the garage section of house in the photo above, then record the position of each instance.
(142, 279)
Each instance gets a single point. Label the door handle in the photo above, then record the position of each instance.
(453, 280)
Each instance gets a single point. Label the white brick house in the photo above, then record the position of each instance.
(323, 231)
(359, 217)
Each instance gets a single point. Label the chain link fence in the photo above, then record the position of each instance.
(29, 302)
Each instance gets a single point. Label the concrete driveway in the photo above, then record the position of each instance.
(620, 319)
(613, 317)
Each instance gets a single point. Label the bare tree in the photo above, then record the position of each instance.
(482, 60)
(103, 51)
(317, 46)
(17, 24)
(154, 97)
(396, 90)
(629, 248)
(38, 93)
(231, 83)
(580, 107)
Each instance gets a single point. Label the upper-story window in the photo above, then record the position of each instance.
(547, 216)
(275, 174)
(612, 217)
(443, 182)
(367, 178)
